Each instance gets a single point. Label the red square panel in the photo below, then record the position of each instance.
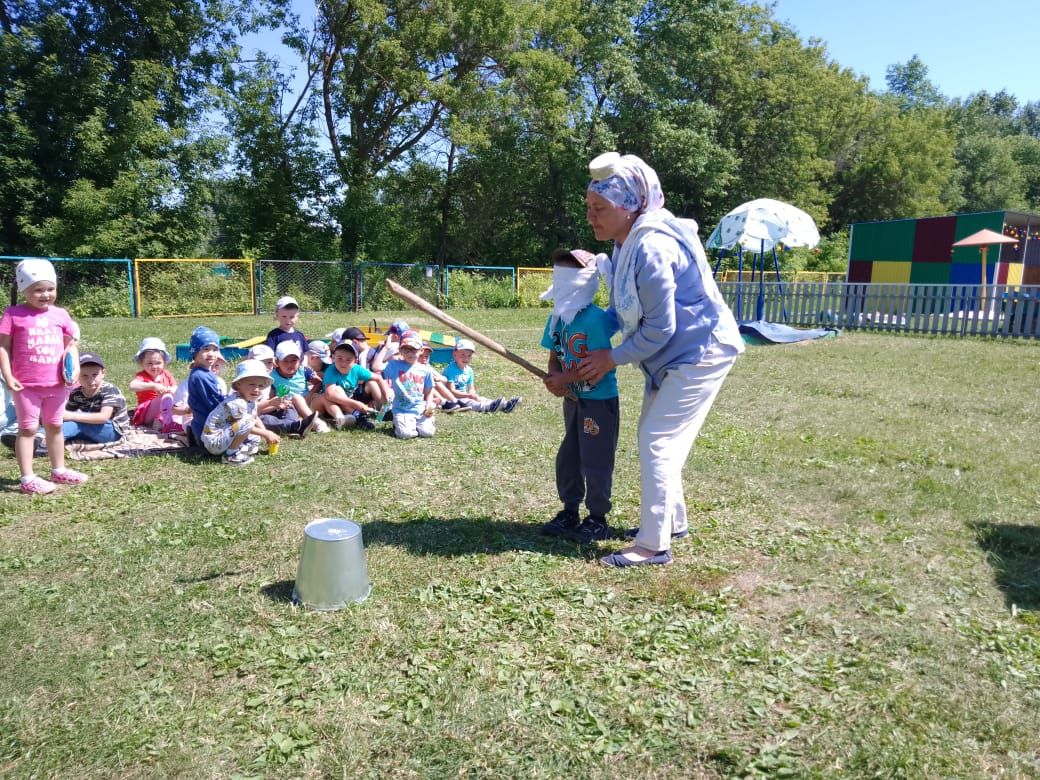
(859, 271)
(933, 241)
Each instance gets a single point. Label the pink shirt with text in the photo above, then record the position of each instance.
(38, 338)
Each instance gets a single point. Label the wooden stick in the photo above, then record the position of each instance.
(425, 306)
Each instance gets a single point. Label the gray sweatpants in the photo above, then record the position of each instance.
(585, 460)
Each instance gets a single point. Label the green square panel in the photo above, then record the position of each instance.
(883, 241)
(973, 223)
(930, 273)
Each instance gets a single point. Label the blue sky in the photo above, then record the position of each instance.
(966, 49)
(967, 46)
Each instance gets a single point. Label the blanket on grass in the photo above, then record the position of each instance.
(136, 442)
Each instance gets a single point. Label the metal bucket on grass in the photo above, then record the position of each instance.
(332, 571)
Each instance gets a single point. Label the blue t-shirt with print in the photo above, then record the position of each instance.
(590, 329)
(459, 378)
(409, 382)
(357, 375)
(297, 383)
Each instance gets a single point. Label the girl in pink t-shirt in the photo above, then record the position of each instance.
(154, 385)
(34, 337)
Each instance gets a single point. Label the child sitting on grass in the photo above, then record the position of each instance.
(412, 386)
(292, 380)
(204, 392)
(277, 411)
(348, 385)
(233, 429)
(459, 374)
(96, 410)
(154, 386)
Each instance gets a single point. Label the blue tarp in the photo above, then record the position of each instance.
(762, 332)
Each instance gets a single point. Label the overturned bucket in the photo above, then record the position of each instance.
(332, 571)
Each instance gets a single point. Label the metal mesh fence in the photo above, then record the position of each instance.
(317, 285)
(168, 287)
(87, 288)
(479, 287)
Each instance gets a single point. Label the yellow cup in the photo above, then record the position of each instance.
(272, 448)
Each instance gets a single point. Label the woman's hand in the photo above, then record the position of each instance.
(596, 365)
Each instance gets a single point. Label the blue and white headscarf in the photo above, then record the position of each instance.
(627, 182)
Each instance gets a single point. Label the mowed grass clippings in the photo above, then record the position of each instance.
(858, 598)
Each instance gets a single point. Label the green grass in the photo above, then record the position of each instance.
(859, 596)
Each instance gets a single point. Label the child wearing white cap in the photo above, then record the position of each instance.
(154, 386)
(459, 374)
(412, 385)
(292, 380)
(287, 313)
(35, 338)
(233, 429)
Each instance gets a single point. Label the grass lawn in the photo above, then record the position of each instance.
(858, 597)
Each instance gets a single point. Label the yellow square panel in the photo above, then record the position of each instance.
(890, 273)
(1014, 273)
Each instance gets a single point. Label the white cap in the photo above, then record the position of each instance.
(465, 344)
(286, 348)
(285, 300)
(35, 269)
(336, 335)
(248, 369)
(261, 352)
(152, 343)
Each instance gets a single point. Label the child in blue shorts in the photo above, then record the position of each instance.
(591, 415)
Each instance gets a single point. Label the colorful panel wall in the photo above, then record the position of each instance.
(920, 251)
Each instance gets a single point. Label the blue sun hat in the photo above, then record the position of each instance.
(202, 337)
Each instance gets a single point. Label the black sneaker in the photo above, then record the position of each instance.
(565, 521)
(511, 404)
(592, 529)
(302, 426)
(364, 423)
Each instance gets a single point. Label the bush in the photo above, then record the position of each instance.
(480, 290)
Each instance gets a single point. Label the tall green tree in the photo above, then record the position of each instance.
(102, 147)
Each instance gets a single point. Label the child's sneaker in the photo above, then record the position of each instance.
(68, 477)
(251, 446)
(564, 522)
(494, 406)
(363, 422)
(592, 529)
(237, 458)
(511, 404)
(37, 485)
(303, 426)
(343, 421)
(451, 406)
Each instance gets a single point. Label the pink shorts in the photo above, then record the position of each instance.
(35, 403)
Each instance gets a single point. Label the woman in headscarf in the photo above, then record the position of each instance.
(674, 325)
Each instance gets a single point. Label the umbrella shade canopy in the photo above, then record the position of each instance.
(759, 225)
(984, 238)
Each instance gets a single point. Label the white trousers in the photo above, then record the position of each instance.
(408, 426)
(670, 420)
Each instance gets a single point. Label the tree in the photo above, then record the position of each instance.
(394, 76)
(902, 166)
(909, 82)
(100, 110)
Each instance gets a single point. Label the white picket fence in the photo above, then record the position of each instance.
(1005, 311)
